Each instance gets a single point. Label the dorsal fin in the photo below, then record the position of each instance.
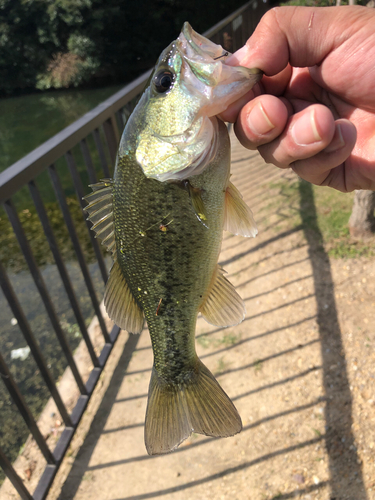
(222, 305)
(120, 304)
(238, 218)
(100, 210)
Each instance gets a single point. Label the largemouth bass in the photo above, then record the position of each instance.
(162, 217)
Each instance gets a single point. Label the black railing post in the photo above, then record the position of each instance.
(24, 410)
(14, 478)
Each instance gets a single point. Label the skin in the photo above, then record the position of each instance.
(314, 111)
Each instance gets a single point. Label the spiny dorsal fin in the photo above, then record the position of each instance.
(197, 405)
(222, 305)
(238, 218)
(100, 210)
(120, 304)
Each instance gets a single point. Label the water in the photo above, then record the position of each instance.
(27, 121)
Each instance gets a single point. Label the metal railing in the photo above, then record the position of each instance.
(101, 127)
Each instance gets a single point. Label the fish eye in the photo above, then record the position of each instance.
(163, 81)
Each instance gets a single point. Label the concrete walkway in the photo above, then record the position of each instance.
(284, 368)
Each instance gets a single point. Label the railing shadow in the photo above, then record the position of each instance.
(226, 472)
(82, 459)
(339, 440)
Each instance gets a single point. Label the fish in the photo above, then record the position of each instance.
(162, 217)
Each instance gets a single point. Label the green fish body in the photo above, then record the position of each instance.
(162, 217)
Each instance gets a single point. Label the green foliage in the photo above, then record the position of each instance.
(328, 219)
(24, 28)
(62, 43)
(10, 254)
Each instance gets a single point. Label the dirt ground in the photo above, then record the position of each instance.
(300, 370)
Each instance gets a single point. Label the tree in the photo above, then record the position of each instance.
(362, 220)
(24, 26)
(59, 43)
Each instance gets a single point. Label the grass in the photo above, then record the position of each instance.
(327, 213)
(222, 365)
(228, 339)
(258, 365)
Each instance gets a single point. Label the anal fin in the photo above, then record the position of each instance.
(120, 304)
(222, 305)
(238, 218)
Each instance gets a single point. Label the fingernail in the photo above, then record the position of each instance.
(259, 121)
(337, 141)
(236, 58)
(304, 131)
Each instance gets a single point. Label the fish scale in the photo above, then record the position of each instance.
(177, 274)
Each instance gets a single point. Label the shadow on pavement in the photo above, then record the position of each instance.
(344, 464)
(81, 462)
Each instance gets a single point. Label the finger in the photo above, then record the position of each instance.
(306, 134)
(261, 120)
(231, 113)
(303, 36)
(326, 168)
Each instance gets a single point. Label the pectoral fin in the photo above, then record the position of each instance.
(100, 210)
(120, 304)
(197, 202)
(238, 218)
(222, 305)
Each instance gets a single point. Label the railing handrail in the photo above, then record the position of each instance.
(28, 167)
(217, 27)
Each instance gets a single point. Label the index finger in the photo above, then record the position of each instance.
(302, 36)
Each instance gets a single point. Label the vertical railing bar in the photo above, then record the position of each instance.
(80, 194)
(99, 147)
(14, 477)
(32, 343)
(65, 279)
(24, 410)
(42, 289)
(115, 130)
(81, 260)
(111, 139)
(88, 161)
(120, 119)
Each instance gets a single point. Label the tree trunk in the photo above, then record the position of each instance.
(362, 220)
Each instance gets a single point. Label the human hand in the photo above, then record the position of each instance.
(314, 111)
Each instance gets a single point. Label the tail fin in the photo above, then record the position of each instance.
(175, 411)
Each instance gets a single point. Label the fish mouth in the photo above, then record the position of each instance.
(204, 69)
(201, 46)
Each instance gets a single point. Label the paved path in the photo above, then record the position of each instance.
(284, 368)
